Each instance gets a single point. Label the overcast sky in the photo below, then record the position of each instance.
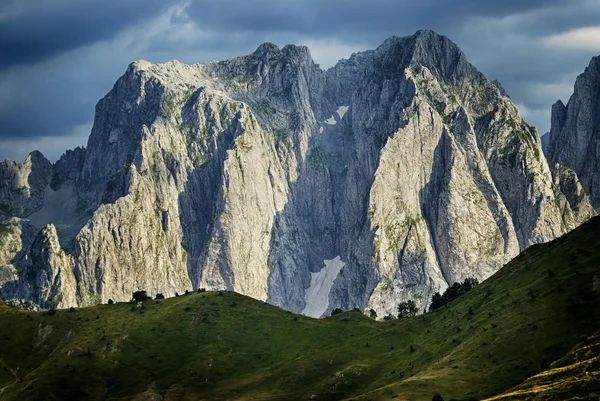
(59, 57)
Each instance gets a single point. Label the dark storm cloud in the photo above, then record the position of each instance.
(334, 17)
(58, 57)
(42, 29)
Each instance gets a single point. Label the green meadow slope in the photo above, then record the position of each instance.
(212, 346)
(574, 377)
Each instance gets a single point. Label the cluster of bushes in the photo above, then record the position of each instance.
(409, 308)
(337, 311)
(141, 296)
(456, 290)
(405, 309)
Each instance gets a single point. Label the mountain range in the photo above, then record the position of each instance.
(385, 178)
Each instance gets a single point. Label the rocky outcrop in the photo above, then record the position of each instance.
(22, 185)
(51, 281)
(68, 168)
(571, 197)
(385, 178)
(16, 237)
(34, 267)
(575, 132)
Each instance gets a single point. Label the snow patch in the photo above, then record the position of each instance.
(342, 110)
(317, 295)
(320, 130)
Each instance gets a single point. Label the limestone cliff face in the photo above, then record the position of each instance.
(575, 132)
(22, 185)
(384, 178)
(16, 236)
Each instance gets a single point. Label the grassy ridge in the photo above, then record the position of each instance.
(227, 346)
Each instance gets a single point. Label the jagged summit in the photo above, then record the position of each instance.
(267, 47)
(427, 48)
(594, 66)
(139, 65)
(36, 155)
(273, 49)
(33, 156)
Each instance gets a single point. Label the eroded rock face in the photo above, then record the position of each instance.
(385, 178)
(16, 236)
(575, 132)
(22, 185)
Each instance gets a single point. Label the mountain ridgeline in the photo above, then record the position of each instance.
(386, 178)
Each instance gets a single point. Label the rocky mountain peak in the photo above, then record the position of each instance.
(266, 48)
(358, 186)
(36, 157)
(426, 48)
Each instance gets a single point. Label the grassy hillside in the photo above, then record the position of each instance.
(574, 377)
(226, 346)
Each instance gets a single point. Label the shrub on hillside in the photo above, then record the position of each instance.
(407, 309)
(139, 296)
(437, 397)
(336, 311)
(160, 296)
(110, 302)
(454, 291)
(373, 314)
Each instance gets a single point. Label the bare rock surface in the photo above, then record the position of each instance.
(403, 168)
(575, 132)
